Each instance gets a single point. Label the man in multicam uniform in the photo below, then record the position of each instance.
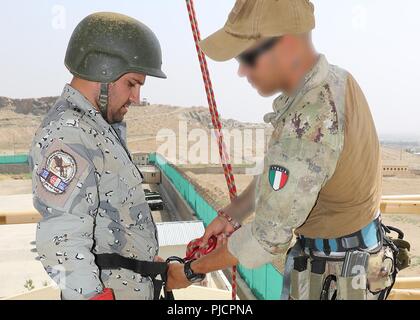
(85, 184)
(322, 170)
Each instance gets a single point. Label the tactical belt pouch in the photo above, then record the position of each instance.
(145, 268)
(352, 288)
(380, 270)
(396, 250)
(299, 279)
(352, 283)
(316, 278)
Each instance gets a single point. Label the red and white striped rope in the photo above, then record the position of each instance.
(227, 167)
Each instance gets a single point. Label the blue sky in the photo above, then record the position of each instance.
(376, 40)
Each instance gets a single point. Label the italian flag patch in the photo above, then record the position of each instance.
(278, 176)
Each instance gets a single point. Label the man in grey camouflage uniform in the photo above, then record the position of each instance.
(85, 184)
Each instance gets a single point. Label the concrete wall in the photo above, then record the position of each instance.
(19, 260)
(14, 168)
(175, 201)
(140, 158)
(168, 251)
(17, 209)
(395, 170)
(48, 293)
(212, 169)
(415, 171)
(151, 174)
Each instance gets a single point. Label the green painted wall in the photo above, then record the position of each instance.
(15, 159)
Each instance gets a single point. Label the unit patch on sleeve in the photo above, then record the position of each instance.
(60, 169)
(278, 176)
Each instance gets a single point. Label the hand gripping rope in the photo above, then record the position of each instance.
(193, 247)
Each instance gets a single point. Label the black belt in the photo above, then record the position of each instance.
(145, 268)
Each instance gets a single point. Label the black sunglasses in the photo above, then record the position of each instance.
(250, 57)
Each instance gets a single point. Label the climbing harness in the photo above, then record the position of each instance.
(150, 269)
(369, 256)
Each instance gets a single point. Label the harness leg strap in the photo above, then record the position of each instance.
(295, 251)
(145, 268)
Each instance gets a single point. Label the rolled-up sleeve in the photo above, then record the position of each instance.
(295, 169)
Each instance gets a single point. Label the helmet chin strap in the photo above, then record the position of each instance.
(103, 100)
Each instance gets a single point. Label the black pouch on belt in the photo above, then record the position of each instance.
(316, 278)
(299, 278)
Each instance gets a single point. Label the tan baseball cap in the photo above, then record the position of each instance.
(253, 20)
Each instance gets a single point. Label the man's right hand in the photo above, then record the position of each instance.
(220, 228)
(176, 277)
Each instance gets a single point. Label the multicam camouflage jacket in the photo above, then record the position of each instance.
(90, 196)
(302, 155)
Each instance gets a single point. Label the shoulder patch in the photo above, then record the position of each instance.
(278, 176)
(59, 173)
(60, 169)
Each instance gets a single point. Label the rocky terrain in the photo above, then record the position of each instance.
(202, 116)
(19, 119)
(36, 107)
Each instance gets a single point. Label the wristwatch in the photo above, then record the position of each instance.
(191, 276)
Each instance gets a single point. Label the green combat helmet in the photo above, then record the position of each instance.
(105, 46)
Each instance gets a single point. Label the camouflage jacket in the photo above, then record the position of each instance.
(90, 196)
(302, 155)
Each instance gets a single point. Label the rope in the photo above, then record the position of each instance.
(215, 118)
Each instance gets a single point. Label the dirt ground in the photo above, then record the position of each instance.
(398, 186)
(143, 127)
(14, 184)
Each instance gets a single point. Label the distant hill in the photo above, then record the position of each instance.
(19, 119)
(35, 107)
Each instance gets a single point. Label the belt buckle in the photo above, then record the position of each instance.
(175, 259)
(350, 242)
